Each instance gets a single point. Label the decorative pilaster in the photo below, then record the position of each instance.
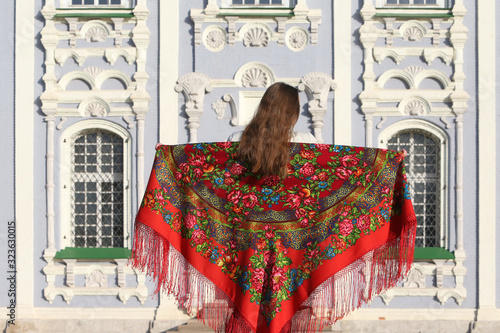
(193, 86)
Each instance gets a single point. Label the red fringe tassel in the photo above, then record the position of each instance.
(372, 274)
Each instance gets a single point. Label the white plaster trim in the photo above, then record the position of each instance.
(168, 62)
(342, 45)
(53, 313)
(411, 314)
(24, 154)
(487, 171)
(65, 181)
(413, 79)
(439, 133)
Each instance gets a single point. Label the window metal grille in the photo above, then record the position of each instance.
(433, 3)
(97, 191)
(423, 173)
(120, 3)
(285, 3)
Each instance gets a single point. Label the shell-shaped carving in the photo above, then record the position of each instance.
(256, 37)
(96, 34)
(93, 71)
(215, 39)
(413, 34)
(254, 77)
(96, 279)
(414, 108)
(414, 70)
(95, 109)
(193, 83)
(316, 82)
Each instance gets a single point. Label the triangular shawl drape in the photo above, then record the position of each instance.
(250, 253)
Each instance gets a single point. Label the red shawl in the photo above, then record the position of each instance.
(249, 253)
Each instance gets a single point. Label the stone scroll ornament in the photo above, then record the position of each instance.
(252, 253)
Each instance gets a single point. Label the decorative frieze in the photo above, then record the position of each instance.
(97, 276)
(256, 31)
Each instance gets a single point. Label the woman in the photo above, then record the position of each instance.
(265, 141)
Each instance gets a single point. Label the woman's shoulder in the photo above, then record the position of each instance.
(304, 137)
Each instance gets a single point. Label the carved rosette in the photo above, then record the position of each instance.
(214, 38)
(256, 37)
(297, 39)
(95, 109)
(255, 77)
(96, 34)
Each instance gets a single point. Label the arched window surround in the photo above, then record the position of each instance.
(441, 135)
(65, 179)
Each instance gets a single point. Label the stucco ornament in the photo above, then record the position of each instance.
(317, 86)
(96, 279)
(415, 108)
(256, 37)
(414, 70)
(96, 34)
(254, 77)
(297, 39)
(95, 109)
(214, 38)
(193, 86)
(416, 277)
(219, 107)
(413, 30)
(93, 71)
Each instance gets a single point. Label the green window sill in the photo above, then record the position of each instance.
(96, 15)
(426, 253)
(416, 15)
(93, 253)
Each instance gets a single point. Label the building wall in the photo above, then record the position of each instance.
(7, 134)
(172, 54)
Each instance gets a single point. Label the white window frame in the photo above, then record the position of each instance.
(229, 4)
(423, 125)
(439, 4)
(68, 4)
(65, 184)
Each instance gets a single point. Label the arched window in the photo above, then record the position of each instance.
(97, 189)
(95, 196)
(423, 172)
(427, 173)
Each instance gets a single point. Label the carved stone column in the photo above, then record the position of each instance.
(193, 86)
(317, 86)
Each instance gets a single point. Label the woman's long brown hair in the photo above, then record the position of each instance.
(264, 143)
